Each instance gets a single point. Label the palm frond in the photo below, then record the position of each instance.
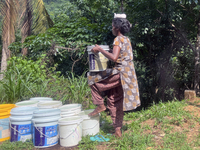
(42, 20)
(9, 11)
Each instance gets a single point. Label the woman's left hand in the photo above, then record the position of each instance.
(95, 49)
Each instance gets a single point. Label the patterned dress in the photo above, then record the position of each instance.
(125, 67)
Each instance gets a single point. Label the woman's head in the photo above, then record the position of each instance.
(121, 24)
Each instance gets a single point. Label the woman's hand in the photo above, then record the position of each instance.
(95, 49)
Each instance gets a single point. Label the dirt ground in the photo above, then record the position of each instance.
(193, 108)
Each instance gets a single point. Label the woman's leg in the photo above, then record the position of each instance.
(115, 105)
(98, 88)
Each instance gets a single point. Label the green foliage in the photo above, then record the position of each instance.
(163, 38)
(7, 145)
(23, 79)
(35, 69)
(78, 90)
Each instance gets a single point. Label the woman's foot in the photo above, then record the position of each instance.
(118, 133)
(99, 109)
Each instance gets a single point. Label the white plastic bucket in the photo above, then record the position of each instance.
(46, 113)
(41, 99)
(21, 124)
(70, 131)
(90, 124)
(97, 62)
(21, 111)
(27, 103)
(70, 113)
(45, 128)
(49, 104)
(70, 107)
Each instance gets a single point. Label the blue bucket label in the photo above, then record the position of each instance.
(21, 132)
(92, 61)
(4, 128)
(45, 136)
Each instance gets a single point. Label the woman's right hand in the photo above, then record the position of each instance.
(95, 49)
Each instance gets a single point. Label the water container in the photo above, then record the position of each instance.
(27, 103)
(41, 99)
(21, 123)
(70, 131)
(90, 124)
(45, 130)
(70, 110)
(97, 62)
(49, 104)
(4, 125)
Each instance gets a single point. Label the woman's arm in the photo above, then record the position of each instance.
(112, 56)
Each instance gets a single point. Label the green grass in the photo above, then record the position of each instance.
(167, 117)
(7, 145)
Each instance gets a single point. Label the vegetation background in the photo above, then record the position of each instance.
(51, 61)
(165, 44)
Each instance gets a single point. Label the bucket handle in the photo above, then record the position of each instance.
(92, 127)
(40, 131)
(71, 132)
(13, 128)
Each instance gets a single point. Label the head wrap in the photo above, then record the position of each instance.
(119, 15)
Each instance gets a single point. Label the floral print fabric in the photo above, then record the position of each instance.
(125, 67)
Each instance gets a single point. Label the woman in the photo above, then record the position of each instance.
(118, 83)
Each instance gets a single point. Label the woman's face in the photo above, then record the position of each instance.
(114, 30)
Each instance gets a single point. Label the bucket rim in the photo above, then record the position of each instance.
(65, 108)
(23, 110)
(20, 118)
(62, 122)
(48, 119)
(26, 101)
(85, 116)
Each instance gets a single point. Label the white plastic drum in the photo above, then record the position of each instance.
(70, 131)
(97, 62)
(90, 124)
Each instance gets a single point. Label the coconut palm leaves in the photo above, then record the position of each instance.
(9, 12)
(23, 12)
(42, 19)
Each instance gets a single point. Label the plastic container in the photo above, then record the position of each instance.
(49, 104)
(70, 110)
(4, 125)
(70, 107)
(21, 123)
(97, 62)
(45, 127)
(27, 103)
(22, 111)
(6, 106)
(90, 124)
(70, 131)
(41, 99)
(70, 113)
(46, 113)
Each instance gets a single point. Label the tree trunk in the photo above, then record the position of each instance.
(8, 34)
(122, 6)
(4, 60)
(26, 26)
(196, 74)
